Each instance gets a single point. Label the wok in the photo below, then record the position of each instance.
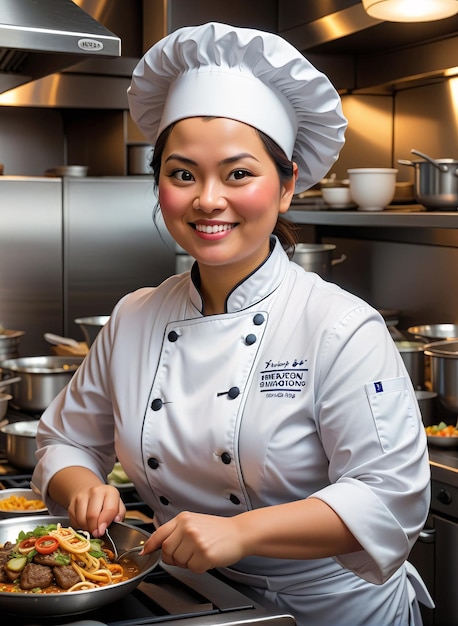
(74, 602)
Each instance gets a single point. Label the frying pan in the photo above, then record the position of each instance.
(74, 602)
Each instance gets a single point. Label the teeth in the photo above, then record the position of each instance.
(217, 228)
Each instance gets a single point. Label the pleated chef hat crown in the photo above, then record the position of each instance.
(247, 75)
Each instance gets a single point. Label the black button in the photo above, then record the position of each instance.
(250, 340)
(258, 319)
(172, 336)
(226, 458)
(153, 463)
(234, 499)
(156, 404)
(233, 392)
(164, 500)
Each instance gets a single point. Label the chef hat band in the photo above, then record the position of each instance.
(244, 74)
(211, 93)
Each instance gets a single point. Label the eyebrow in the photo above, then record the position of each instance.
(229, 160)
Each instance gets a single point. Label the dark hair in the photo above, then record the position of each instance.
(286, 231)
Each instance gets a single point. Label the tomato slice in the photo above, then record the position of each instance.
(27, 545)
(46, 544)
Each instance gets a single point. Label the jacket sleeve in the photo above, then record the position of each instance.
(370, 426)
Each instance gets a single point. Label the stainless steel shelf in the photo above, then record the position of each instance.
(393, 217)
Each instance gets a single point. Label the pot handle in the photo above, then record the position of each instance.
(442, 167)
(9, 381)
(339, 260)
(404, 162)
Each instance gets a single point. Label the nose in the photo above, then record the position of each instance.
(210, 197)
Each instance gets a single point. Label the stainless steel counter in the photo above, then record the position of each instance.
(444, 465)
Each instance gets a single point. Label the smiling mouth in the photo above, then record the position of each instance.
(216, 228)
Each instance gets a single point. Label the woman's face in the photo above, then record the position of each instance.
(220, 193)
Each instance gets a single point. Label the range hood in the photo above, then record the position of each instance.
(40, 37)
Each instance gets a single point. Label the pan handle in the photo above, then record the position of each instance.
(9, 381)
(442, 167)
(404, 162)
(341, 259)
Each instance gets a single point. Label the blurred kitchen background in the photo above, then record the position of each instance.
(71, 246)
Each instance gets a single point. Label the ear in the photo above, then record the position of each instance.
(287, 191)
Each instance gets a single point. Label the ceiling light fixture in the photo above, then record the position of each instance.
(410, 10)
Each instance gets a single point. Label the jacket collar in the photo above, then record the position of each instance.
(252, 289)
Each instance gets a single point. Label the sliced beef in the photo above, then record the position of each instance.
(65, 576)
(34, 575)
(46, 559)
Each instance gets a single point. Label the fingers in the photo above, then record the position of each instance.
(96, 508)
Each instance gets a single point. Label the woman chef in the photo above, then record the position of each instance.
(264, 415)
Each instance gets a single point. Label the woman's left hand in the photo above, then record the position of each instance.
(198, 542)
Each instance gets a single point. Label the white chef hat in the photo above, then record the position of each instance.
(247, 75)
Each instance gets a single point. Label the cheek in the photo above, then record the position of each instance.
(169, 200)
(261, 198)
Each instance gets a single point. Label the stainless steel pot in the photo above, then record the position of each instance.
(9, 343)
(20, 443)
(435, 182)
(74, 602)
(434, 332)
(414, 359)
(317, 258)
(444, 371)
(41, 379)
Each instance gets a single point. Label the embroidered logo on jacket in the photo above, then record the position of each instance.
(283, 378)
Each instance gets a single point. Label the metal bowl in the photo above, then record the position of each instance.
(434, 332)
(91, 326)
(20, 446)
(26, 493)
(75, 602)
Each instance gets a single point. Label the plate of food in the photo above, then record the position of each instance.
(20, 503)
(442, 435)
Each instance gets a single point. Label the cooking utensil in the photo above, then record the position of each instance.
(119, 556)
(41, 379)
(20, 445)
(9, 381)
(435, 181)
(444, 371)
(74, 602)
(317, 258)
(91, 326)
(414, 359)
(57, 340)
(9, 343)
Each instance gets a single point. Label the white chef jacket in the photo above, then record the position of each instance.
(296, 390)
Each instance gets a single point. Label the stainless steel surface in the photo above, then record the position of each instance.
(427, 404)
(20, 443)
(444, 372)
(37, 39)
(112, 245)
(74, 602)
(414, 359)
(9, 343)
(434, 332)
(41, 379)
(91, 326)
(31, 248)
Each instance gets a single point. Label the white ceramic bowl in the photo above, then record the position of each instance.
(372, 188)
(337, 197)
(28, 494)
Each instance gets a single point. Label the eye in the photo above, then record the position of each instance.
(182, 175)
(239, 174)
